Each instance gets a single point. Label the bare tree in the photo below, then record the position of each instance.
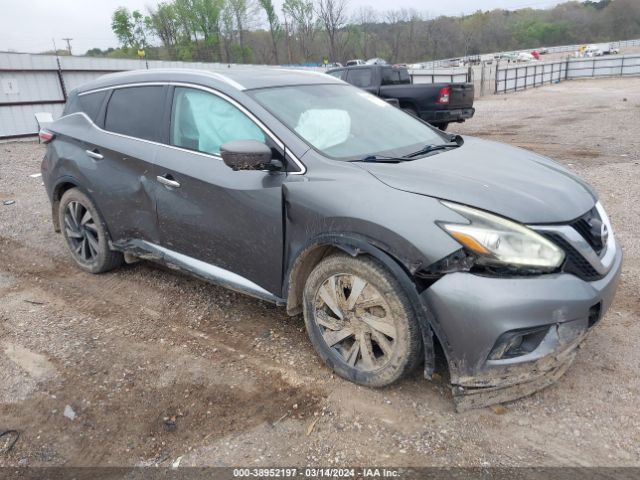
(164, 23)
(333, 14)
(275, 29)
(397, 20)
(303, 24)
(365, 18)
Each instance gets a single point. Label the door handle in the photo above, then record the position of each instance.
(94, 154)
(168, 182)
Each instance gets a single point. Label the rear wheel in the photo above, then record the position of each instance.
(360, 321)
(86, 236)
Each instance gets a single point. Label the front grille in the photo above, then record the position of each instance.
(574, 262)
(589, 226)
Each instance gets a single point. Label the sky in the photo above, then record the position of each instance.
(33, 25)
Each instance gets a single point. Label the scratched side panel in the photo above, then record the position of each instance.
(121, 184)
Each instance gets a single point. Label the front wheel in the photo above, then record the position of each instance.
(360, 321)
(85, 233)
(442, 126)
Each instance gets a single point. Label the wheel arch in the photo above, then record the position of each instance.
(61, 186)
(408, 104)
(354, 246)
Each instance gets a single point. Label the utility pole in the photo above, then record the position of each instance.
(68, 40)
(286, 35)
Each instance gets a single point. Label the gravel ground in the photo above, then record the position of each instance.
(150, 365)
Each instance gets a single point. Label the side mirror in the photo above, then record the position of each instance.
(245, 154)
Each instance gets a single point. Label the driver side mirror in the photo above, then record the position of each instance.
(245, 154)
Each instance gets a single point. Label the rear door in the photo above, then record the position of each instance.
(208, 212)
(122, 161)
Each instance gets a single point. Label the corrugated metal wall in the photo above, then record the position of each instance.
(38, 83)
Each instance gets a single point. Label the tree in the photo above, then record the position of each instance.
(333, 14)
(122, 26)
(365, 18)
(226, 30)
(303, 24)
(130, 28)
(243, 12)
(275, 29)
(163, 21)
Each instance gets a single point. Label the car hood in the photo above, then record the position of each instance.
(506, 180)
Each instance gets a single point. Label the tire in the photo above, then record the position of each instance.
(85, 233)
(380, 317)
(441, 126)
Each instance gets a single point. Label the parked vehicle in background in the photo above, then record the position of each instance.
(357, 61)
(543, 50)
(472, 60)
(605, 49)
(376, 61)
(389, 236)
(436, 103)
(535, 54)
(525, 57)
(592, 51)
(508, 57)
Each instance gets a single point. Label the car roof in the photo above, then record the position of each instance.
(239, 78)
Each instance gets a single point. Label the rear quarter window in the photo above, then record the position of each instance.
(136, 111)
(360, 77)
(90, 104)
(395, 76)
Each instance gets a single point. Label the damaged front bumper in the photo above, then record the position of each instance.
(477, 318)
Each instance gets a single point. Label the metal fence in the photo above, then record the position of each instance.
(446, 62)
(512, 78)
(449, 75)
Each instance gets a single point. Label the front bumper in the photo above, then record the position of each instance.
(447, 116)
(470, 313)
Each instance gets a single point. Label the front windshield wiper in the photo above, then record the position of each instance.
(454, 142)
(381, 159)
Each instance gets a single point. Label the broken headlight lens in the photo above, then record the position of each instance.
(498, 241)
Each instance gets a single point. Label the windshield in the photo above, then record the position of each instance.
(346, 123)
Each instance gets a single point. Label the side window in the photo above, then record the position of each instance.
(337, 74)
(136, 111)
(360, 77)
(89, 103)
(203, 122)
(390, 76)
(395, 76)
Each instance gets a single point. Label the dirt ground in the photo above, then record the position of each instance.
(125, 353)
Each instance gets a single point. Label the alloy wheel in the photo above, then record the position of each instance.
(355, 321)
(80, 229)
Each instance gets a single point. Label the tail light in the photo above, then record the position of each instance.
(45, 135)
(443, 96)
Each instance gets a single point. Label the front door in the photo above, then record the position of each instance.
(229, 219)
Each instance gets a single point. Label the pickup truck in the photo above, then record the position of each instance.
(436, 103)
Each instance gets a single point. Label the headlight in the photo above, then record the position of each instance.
(499, 241)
